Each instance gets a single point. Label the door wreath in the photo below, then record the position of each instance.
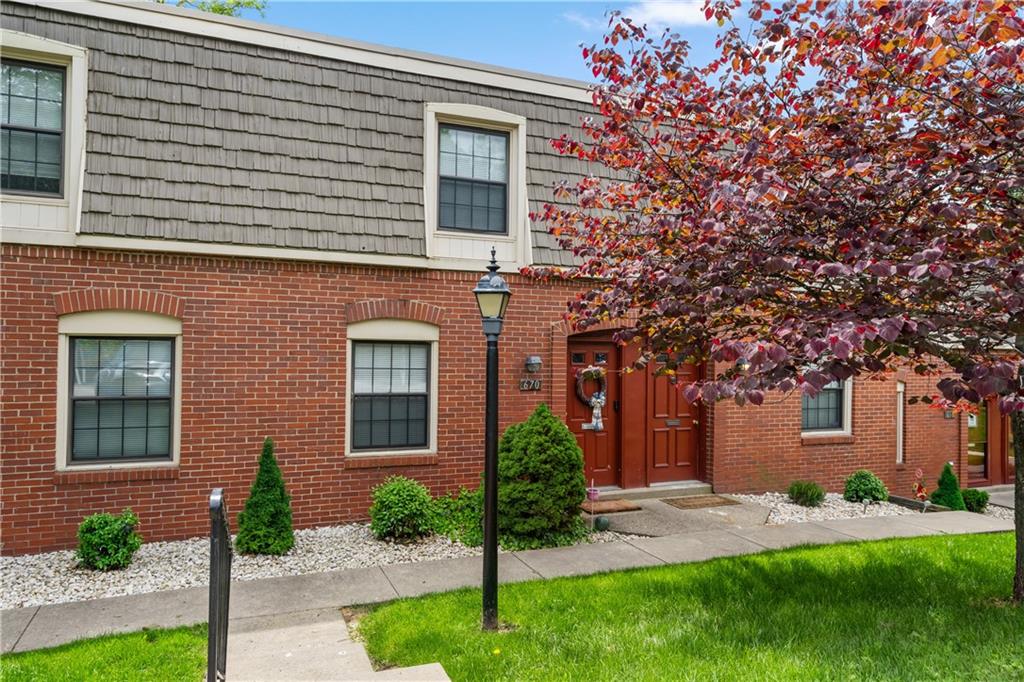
(597, 398)
(591, 373)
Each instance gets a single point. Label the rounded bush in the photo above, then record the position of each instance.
(948, 493)
(401, 509)
(864, 486)
(806, 493)
(975, 500)
(460, 516)
(540, 483)
(107, 542)
(265, 524)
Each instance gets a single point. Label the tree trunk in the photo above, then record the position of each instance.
(1017, 428)
(1017, 424)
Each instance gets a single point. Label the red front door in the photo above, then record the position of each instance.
(601, 454)
(672, 429)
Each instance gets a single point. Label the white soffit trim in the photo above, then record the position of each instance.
(269, 35)
(218, 249)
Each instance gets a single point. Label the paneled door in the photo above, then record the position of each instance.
(672, 429)
(601, 454)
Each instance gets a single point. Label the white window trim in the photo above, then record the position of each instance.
(847, 428)
(901, 390)
(30, 48)
(387, 330)
(518, 211)
(113, 323)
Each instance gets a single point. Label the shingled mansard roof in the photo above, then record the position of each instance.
(202, 128)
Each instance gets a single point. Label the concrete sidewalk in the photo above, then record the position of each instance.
(1000, 495)
(259, 604)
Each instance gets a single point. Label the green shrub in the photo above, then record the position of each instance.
(864, 486)
(948, 492)
(401, 509)
(265, 525)
(106, 542)
(540, 483)
(975, 500)
(460, 516)
(806, 493)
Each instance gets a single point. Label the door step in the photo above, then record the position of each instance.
(675, 489)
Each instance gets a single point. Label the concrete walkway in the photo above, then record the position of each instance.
(265, 613)
(1000, 495)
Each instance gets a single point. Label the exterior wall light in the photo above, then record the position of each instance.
(533, 363)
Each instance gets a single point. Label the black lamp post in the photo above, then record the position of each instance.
(492, 296)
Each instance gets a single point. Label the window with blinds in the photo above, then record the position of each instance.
(31, 128)
(122, 393)
(390, 394)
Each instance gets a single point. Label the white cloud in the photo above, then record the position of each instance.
(660, 14)
(586, 23)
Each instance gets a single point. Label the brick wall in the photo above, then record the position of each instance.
(761, 448)
(264, 355)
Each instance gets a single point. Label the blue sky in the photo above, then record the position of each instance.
(533, 36)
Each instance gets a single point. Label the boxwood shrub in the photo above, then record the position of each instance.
(864, 486)
(401, 510)
(107, 542)
(975, 500)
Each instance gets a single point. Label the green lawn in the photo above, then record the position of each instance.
(178, 654)
(915, 609)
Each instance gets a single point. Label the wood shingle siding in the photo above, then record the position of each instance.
(200, 139)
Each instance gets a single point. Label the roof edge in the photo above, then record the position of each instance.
(250, 32)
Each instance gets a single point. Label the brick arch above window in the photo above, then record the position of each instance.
(393, 308)
(140, 300)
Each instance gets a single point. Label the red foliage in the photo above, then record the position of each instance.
(839, 192)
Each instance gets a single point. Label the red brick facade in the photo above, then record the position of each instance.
(264, 345)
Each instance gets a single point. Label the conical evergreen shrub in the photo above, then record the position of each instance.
(540, 482)
(265, 525)
(948, 493)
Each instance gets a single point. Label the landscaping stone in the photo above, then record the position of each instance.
(833, 507)
(54, 577)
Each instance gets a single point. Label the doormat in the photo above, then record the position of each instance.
(609, 506)
(699, 501)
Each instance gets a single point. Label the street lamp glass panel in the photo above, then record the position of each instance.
(492, 303)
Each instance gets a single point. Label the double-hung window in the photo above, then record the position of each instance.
(473, 180)
(122, 396)
(32, 128)
(825, 411)
(390, 395)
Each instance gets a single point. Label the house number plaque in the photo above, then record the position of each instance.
(529, 384)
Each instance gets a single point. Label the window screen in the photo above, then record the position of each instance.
(121, 398)
(473, 187)
(31, 127)
(390, 394)
(825, 410)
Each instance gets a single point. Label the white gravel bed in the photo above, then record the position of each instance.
(999, 512)
(54, 577)
(833, 507)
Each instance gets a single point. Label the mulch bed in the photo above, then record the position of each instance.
(699, 501)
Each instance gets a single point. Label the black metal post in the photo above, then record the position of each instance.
(490, 606)
(220, 588)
